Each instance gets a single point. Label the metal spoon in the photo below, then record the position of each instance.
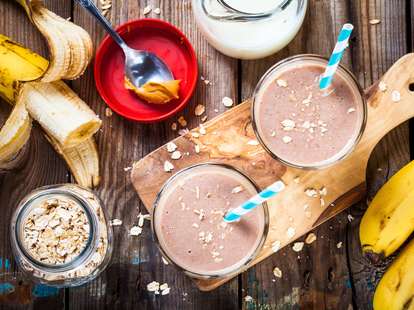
(140, 66)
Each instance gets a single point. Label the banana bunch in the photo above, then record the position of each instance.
(385, 226)
(67, 121)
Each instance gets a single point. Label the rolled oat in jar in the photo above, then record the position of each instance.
(60, 235)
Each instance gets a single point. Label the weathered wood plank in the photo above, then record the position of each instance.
(136, 261)
(40, 166)
(375, 50)
(316, 277)
(327, 278)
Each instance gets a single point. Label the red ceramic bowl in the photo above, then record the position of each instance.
(169, 44)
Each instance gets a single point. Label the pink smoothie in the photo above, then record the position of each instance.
(300, 124)
(188, 221)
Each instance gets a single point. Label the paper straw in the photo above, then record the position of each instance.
(336, 56)
(252, 203)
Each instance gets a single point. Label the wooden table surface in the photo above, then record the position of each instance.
(324, 275)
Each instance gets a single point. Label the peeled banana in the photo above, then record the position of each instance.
(389, 219)
(395, 291)
(68, 121)
(70, 46)
(62, 114)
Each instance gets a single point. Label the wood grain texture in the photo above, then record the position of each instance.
(41, 166)
(225, 138)
(376, 49)
(323, 277)
(136, 261)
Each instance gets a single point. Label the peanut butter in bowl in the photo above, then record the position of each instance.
(156, 92)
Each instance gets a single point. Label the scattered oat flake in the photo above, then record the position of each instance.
(288, 124)
(323, 191)
(165, 291)
(115, 222)
(286, 139)
(135, 231)
(281, 83)
(108, 112)
(311, 192)
(197, 148)
(350, 110)
(374, 21)
(126, 169)
(276, 246)
(164, 260)
(273, 134)
(157, 11)
(310, 238)
(339, 245)
(382, 86)
(181, 120)
(153, 286)
(277, 272)
(350, 218)
(395, 96)
(168, 166)
(227, 102)
(237, 189)
(253, 142)
(174, 126)
(204, 118)
(147, 10)
(291, 232)
(176, 155)
(199, 110)
(202, 130)
(171, 147)
(248, 298)
(298, 246)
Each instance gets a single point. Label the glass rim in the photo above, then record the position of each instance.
(235, 14)
(27, 202)
(245, 264)
(347, 150)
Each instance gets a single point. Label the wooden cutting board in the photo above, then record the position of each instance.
(224, 139)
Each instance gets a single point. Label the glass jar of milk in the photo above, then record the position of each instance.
(249, 29)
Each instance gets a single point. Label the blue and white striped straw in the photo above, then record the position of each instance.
(252, 203)
(336, 56)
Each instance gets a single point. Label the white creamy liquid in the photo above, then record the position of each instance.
(249, 39)
(251, 6)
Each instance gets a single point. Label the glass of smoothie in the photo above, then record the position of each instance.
(299, 124)
(188, 225)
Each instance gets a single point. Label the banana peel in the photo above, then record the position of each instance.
(70, 46)
(21, 71)
(396, 288)
(389, 219)
(82, 160)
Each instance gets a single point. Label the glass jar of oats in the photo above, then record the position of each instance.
(60, 235)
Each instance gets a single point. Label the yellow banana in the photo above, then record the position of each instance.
(395, 291)
(389, 219)
(61, 113)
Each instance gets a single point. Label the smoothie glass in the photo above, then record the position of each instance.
(345, 83)
(249, 29)
(194, 266)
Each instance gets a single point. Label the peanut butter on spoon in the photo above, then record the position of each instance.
(156, 92)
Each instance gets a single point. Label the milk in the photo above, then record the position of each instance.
(246, 38)
(251, 6)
